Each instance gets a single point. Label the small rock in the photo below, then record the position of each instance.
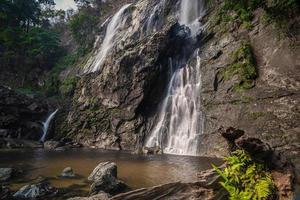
(68, 173)
(151, 150)
(60, 149)
(51, 145)
(5, 174)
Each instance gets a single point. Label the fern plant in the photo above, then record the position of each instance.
(245, 179)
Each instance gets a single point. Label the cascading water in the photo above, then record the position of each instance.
(180, 120)
(46, 125)
(155, 21)
(117, 22)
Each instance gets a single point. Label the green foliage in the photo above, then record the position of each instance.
(245, 179)
(243, 65)
(27, 40)
(55, 86)
(29, 91)
(242, 11)
(68, 85)
(81, 25)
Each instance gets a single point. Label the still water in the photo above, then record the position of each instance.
(136, 170)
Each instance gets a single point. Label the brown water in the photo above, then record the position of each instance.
(136, 170)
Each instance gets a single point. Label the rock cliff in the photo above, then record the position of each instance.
(20, 116)
(116, 107)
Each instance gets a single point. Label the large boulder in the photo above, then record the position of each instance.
(104, 178)
(103, 169)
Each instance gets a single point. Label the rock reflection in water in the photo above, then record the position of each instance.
(136, 170)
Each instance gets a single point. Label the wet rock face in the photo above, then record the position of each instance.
(112, 105)
(267, 110)
(20, 115)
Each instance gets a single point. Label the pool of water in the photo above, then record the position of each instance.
(136, 170)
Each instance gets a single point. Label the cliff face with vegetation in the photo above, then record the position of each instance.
(249, 67)
(250, 79)
(250, 70)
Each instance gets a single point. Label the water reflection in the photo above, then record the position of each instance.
(136, 170)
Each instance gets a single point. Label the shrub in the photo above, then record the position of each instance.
(245, 179)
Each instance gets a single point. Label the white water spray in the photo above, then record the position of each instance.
(46, 125)
(180, 120)
(117, 22)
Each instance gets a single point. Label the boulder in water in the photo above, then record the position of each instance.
(35, 191)
(6, 174)
(103, 169)
(68, 173)
(104, 178)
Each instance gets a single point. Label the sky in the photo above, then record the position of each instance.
(65, 4)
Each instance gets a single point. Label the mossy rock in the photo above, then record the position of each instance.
(244, 66)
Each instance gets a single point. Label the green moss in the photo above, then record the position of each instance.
(68, 85)
(29, 91)
(244, 178)
(244, 66)
(278, 12)
(256, 115)
(247, 99)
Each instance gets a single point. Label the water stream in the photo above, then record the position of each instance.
(46, 125)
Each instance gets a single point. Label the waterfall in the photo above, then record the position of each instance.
(117, 22)
(155, 20)
(180, 120)
(190, 10)
(46, 125)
